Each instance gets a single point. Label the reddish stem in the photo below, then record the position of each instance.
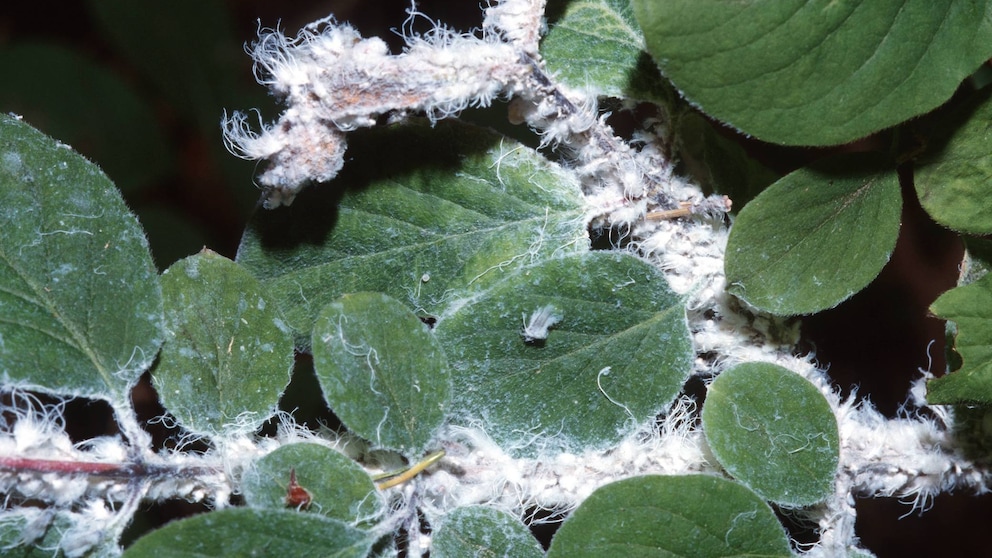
(56, 466)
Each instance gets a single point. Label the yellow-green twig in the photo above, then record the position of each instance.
(389, 480)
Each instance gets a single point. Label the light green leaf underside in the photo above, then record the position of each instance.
(816, 237)
(420, 214)
(482, 531)
(382, 371)
(970, 308)
(338, 487)
(696, 515)
(227, 355)
(816, 72)
(618, 355)
(80, 302)
(598, 45)
(253, 532)
(774, 432)
(954, 176)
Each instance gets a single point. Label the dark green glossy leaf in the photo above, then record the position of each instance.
(774, 432)
(697, 515)
(80, 302)
(382, 371)
(816, 237)
(618, 353)
(227, 354)
(816, 72)
(481, 531)
(970, 308)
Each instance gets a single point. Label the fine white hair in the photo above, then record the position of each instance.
(536, 327)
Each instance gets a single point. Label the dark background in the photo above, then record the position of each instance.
(140, 88)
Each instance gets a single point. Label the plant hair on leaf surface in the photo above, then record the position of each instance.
(334, 81)
(536, 327)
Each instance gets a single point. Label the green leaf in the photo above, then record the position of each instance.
(449, 210)
(483, 531)
(816, 72)
(774, 432)
(696, 515)
(382, 371)
(718, 163)
(27, 532)
(597, 45)
(970, 308)
(103, 115)
(816, 237)
(227, 355)
(619, 352)
(80, 302)
(251, 532)
(172, 234)
(952, 177)
(977, 260)
(337, 486)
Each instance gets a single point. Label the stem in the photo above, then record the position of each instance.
(394, 479)
(101, 469)
(26, 464)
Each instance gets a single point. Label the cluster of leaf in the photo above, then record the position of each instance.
(819, 73)
(354, 277)
(472, 233)
(147, 88)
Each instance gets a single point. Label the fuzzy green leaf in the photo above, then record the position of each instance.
(227, 355)
(449, 210)
(618, 353)
(970, 308)
(977, 260)
(482, 531)
(774, 432)
(816, 237)
(80, 302)
(455, 231)
(337, 486)
(816, 72)
(952, 177)
(695, 515)
(253, 532)
(382, 371)
(597, 45)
